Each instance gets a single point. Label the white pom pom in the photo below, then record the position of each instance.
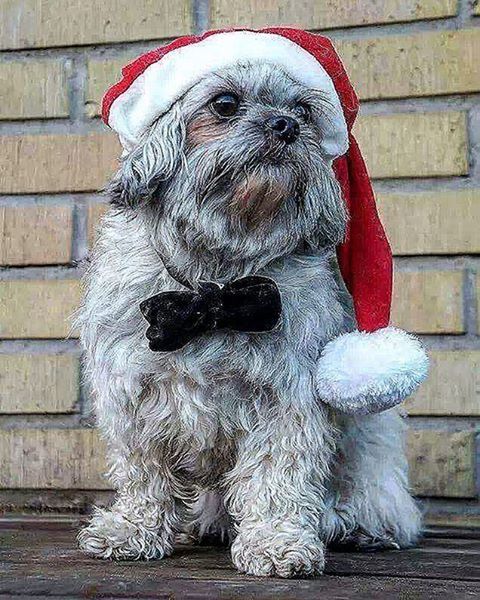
(362, 372)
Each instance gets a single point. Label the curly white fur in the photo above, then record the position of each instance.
(361, 372)
(230, 433)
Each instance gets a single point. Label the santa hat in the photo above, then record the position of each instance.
(362, 371)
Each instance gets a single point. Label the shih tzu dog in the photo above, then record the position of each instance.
(218, 331)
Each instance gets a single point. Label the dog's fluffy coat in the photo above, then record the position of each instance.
(228, 435)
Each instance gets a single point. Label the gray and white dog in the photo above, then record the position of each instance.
(229, 434)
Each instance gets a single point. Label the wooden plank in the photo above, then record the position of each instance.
(428, 563)
(42, 560)
(147, 581)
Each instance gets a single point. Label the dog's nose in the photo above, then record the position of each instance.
(283, 128)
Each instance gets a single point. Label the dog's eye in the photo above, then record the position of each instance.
(225, 105)
(302, 110)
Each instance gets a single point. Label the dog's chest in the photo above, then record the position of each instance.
(312, 313)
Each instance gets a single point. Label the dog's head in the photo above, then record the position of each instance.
(236, 168)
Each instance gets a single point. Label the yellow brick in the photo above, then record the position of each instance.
(51, 458)
(44, 23)
(327, 14)
(400, 145)
(33, 89)
(428, 301)
(37, 309)
(476, 9)
(35, 235)
(453, 385)
(414, 144)
(38, 383)
(442, 463)
(478, 302)
(95, 213)
(101, 75)
(422, 223)
(436, 63)
(423, 64)
(57, 163)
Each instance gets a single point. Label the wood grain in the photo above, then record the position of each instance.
(53, 566)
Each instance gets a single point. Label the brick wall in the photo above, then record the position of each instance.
(415, 66)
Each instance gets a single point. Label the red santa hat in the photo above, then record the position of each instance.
(366, 370)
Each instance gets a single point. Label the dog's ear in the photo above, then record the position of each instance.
(151, 163)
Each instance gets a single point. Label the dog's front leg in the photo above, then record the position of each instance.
(276, 491)
(142, 520)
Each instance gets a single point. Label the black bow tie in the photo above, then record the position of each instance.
(251, 304)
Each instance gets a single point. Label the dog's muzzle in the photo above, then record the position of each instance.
(251, 305)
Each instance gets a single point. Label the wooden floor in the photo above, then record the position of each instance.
(39, 559)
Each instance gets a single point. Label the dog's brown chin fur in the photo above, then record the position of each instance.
(258, 199)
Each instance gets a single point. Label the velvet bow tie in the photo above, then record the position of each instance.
(251, 304)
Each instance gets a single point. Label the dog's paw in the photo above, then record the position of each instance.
(361, 541)
(268, 552)
(111, 535)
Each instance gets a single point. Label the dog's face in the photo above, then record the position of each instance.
(236, 168)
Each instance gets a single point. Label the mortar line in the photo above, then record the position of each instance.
(76, 89)
(450, 343)
(51, 126)
(447, 423)
(465, 13)
(470, 300)
(40, 346)
(71, 420)
(40, 272)
(80, 231)
(201, 15)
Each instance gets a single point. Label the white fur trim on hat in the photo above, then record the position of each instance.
(165, 81)
(362, 372)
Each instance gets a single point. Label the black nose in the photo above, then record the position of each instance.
(283, 128)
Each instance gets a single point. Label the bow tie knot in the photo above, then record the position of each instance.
(251, 304)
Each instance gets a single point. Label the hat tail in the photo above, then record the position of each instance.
(377, 366)
(365, 258)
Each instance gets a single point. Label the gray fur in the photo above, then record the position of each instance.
(233, 414)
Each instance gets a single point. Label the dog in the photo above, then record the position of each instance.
(227, 435)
